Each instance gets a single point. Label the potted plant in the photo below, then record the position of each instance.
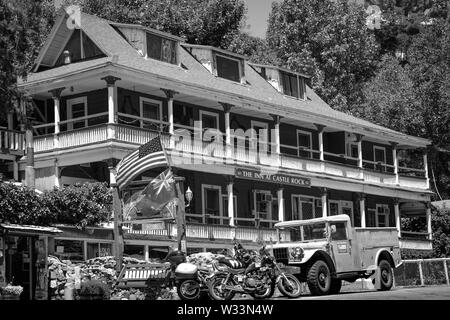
(11, 292)
(94, 290)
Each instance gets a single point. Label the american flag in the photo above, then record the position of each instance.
(147, 156)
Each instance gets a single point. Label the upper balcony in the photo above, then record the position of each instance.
(12, 144)
(248, 152)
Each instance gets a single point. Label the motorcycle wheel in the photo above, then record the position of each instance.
(189, 289)
(216, 292)
(291, 288)
(267, 293)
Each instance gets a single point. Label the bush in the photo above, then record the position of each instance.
(80, 205)
(95, 289)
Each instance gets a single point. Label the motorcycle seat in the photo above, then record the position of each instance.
(231, 263)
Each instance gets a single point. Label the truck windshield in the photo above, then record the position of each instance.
(314, 231)
(310, 232)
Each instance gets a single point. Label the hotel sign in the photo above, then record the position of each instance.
(279, 178)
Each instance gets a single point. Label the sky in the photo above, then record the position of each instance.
(257, 15)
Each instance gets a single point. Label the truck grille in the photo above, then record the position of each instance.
(281, 255)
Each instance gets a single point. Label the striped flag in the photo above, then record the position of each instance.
(147, 156)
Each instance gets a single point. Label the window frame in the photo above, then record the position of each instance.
(338, 202)
(308, 133)
(301, 85)
(220, 200)
(386, 214)
(254, 211)
(177, 48)
(211, 114)
(296, 198)
(142, 100)
(240, 71)
(69, 106)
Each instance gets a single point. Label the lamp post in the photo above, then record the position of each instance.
(189, 195)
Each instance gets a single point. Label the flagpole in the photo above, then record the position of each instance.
(117, 214)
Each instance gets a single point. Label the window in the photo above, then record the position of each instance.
(228, 68)
(347, 208)
(333, 207)
(260, 138)
(161, 49)
(134, 251)
(151, 114)
(314, 231)
(379, 156)
(212, 204)
(80, 47)
(210, 120)
(77, 108)
(290, 84)
(262, 204)
(293, 85)
(69, 250)
(305, 208)
(304, 144)
(95, 250)
(382, 215)
(338, 231)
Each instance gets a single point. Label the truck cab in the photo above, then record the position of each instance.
(329, 250)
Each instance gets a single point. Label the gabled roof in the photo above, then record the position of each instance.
(121, 54)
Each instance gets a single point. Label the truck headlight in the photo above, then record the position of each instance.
(296, 254)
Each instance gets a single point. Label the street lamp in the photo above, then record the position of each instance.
(189, 195)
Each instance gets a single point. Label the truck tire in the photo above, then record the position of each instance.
(319, 278)
(386, 275)
(335, 287)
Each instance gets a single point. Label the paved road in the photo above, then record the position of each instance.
(417, 293)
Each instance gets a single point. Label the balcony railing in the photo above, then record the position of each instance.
(305, 159)
(211, 232)
(12, 141)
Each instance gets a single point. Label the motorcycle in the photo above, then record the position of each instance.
(254, 274)
(190, 280)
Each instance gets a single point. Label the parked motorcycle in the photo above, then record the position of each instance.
(190, 280)
(254, 274)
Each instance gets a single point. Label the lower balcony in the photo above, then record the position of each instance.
(239, 156)
(205, 232)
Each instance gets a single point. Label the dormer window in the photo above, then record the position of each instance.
(221, 63)
(287, 82)
(151, 43)
(228, 68)
(161, 49)
(293, 85)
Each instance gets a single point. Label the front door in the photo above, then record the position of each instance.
(341, 247)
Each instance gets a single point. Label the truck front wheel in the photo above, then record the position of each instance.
(319, 278)
(386, 276)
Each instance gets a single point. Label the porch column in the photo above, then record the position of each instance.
(428, 217)
(56, 95)
(57, 181)
(362, 209)
(170, 94)
(227, 110)
(280, 199)
(397, 216)
(112, 104)
(230, 196)
(320, 129)
(16, 170)
(324, 202)
(425, 167)
(395, 160)
(359, 138)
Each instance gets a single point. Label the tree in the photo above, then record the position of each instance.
(198, 21)
(390, 98)
(81, 205)
(329, 40)
(24, 26)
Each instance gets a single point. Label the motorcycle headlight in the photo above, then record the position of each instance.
(296, 254)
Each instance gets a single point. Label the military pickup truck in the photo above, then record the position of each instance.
(329, 250)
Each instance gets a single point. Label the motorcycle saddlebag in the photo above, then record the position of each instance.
(186, 271)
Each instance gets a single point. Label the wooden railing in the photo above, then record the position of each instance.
(305, 160)
(12, 141)
(211, 232)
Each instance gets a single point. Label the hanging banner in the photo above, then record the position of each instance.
(279, 178)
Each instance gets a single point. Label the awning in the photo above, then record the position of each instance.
(28, 229)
